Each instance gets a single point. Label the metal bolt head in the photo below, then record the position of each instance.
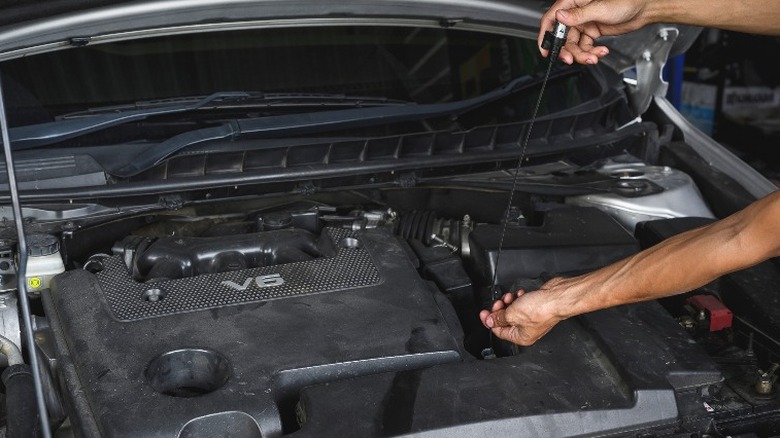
(687, 322)
(764, 385)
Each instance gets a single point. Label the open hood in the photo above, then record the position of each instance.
(282, 218)
(30, 26)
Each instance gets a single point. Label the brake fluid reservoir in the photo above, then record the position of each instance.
(43, 261)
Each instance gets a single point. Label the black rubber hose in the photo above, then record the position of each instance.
(21, 408)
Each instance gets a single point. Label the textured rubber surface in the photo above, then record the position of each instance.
(350, 268)
(273, 348)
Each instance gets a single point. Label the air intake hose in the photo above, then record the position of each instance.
(21, 415)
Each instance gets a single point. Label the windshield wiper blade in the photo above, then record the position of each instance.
(42, 134)
(248, 99)
(76, 124)
(307, 123)
(325, 99)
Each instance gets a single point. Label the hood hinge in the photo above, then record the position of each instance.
(649, 70)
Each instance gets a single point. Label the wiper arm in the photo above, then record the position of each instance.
(84, 122)
(33, 136)
(306, 123)
(240, 100)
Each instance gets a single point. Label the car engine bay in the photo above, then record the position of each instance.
(355, 313)
(283, 219)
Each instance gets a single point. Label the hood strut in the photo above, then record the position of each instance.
(21, 273)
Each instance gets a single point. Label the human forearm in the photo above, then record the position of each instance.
(678, 264)
(754, 16)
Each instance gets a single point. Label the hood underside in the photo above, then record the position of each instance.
(28, 26)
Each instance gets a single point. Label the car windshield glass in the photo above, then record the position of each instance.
(421, 65)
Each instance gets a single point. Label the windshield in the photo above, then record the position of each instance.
(420, 65)
(126, 108)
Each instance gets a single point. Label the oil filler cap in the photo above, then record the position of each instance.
(39, 245)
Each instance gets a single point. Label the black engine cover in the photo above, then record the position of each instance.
(227, 349)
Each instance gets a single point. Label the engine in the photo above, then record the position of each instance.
(360, 319)
(243, 330)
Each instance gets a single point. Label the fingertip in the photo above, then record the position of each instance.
(565, 56)
(489, 322)
(483, 317)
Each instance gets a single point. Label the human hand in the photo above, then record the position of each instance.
(523, 318)
(588, 20)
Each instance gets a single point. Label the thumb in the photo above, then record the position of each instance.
(582, 14)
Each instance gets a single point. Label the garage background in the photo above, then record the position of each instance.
(729, 87)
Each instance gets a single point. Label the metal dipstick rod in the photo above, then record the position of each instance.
(553, 41)
(21, 273)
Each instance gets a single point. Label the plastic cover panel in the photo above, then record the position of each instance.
(350, 268)
(272, 349)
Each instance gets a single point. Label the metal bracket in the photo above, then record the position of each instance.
(9, 306)
(9, 319)
(649, 70)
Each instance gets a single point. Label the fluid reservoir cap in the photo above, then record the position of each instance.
(276, 221)
(39, 245)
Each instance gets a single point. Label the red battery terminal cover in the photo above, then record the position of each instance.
(720, 316)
